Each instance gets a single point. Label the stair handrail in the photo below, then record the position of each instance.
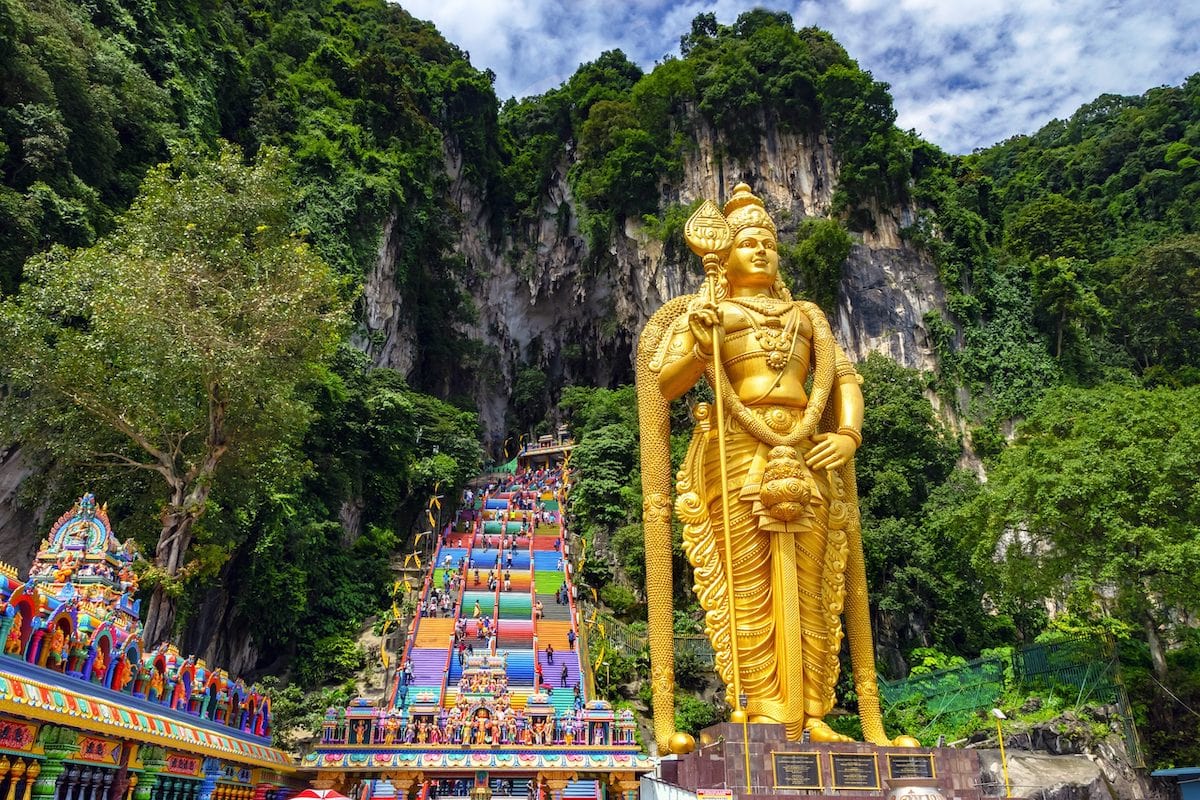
(496, 602)
(415, 624)
(458, 609)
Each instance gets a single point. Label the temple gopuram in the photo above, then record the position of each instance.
(89, 712)
(494, 696)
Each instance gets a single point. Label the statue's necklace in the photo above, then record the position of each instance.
(775, 338)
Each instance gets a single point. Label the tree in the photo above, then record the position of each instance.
(1054, 226)
(1095, 504)
(1063, 299)
(176, 344)
(1158, 295)
(822, 246)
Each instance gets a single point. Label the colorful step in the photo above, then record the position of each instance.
(433, 632)
(546, 580)
(514, 605)
(554, 632)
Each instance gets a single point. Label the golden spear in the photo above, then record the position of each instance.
(708, 235)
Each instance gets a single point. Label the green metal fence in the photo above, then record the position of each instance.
(1082, 670)
(629, 641)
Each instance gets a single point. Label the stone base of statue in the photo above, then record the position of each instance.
(849, 771)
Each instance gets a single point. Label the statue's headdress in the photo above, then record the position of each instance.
(745, 210)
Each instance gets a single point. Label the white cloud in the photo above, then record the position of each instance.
(963, 74)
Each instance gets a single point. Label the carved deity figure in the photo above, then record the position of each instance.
(12, 645)
(56, 649)
(99, 666)
(122, 674)
(766, 494)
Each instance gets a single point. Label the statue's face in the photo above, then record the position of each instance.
(754, 259)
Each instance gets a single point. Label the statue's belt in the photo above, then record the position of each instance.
(781, 419)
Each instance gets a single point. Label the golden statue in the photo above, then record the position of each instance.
(766, 494)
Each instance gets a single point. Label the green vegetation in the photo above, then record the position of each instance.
(175, 346)
(1094, 505)
(1070, 348)
(633, 130)
(319, 467)
(814, 263)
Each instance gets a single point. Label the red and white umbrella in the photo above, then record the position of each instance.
(319, 794)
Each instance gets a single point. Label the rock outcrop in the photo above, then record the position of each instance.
(1063, 759)
(545, 299)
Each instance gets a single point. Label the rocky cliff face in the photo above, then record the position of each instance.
(540, 303)
(543, 301)
(20, 528)
(1063, 760)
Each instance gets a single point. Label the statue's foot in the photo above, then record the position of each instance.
(906, 741)
(819, 731)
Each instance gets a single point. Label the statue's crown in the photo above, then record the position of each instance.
(745, 210)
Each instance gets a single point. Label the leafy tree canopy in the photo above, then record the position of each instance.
(1094, 503)
(176, 343)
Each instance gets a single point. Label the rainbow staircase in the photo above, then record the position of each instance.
(511, 559)
(518, 706)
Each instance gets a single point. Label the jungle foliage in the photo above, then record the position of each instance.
(1070, 259)
(354, 100)
(632, 130)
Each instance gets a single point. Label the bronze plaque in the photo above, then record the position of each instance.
(853, 771)
(797, 770)
(913, 766)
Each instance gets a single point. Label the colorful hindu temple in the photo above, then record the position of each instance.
(494, 696)
(89, 712)
(548, 452)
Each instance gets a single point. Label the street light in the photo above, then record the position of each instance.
(742, 701)
(999, 715)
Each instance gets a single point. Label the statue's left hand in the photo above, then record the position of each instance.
(831, 451)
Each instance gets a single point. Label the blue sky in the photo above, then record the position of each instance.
(964, 73)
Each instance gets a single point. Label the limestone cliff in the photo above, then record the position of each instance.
(541, 301)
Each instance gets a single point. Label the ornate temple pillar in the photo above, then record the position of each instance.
(153, 760)
(555, 783)
(162, 789)
(5, 768)
(35, 640)
(31, 773)
(625, 785)
(60, 744)
(91, 790)
(15, 773)
(212, 773)
(68, 784)
(403, 781)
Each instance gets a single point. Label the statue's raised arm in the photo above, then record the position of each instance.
(766, 493)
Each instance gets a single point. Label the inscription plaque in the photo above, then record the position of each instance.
(914, 766)
(852, 771)
(797, 770)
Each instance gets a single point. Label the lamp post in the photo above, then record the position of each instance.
(742, 701)
(999, 715)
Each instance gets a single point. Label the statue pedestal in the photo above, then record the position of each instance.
(850, 771)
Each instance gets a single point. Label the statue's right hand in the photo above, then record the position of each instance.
(704, 320)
